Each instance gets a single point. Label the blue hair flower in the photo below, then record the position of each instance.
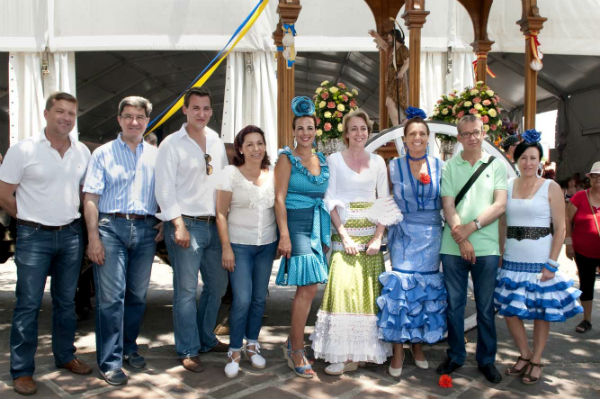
(531, 136)
(303, 106)
(414, 112)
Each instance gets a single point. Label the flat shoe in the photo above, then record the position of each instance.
(422, 364)
(340, 368)
(583, 327)
(76, 366)
(395, 372)
(114, 377)
(24, 385)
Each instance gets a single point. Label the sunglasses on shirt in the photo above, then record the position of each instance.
(209, 168)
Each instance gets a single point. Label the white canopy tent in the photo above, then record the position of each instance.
(49, 32)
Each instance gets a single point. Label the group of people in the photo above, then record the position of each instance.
(229, 222)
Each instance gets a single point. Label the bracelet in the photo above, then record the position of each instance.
(568, 241)
(553, 263)
(551, 268)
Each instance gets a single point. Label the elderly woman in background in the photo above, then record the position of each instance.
(346, 328)
(301, 179)
(248, 233)
(413, 300)
(531, 236)
(583, 241)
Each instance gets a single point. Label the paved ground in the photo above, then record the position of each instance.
(572, 361)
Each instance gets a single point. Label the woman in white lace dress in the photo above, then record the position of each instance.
(248, 233)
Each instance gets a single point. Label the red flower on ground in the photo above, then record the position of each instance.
(331, 104)
(445, 381)
(424, 178)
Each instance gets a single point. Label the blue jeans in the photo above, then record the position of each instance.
(121, 286)
(194, 321)
(249, 283)
(483, 273)
(40, 253)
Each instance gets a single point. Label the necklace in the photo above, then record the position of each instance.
(415, 159)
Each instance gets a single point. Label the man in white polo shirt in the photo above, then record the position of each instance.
(186, 165)
(46, 173)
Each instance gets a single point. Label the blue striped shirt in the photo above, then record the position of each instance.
(123, 180)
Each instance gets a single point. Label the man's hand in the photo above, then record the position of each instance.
(467, 251)
(182, 236)
(462, 232)
(95, 251)
(160, 234)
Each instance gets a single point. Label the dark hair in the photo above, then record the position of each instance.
(523, 146)
(195, 91)
(314, 118)
(238, 142)
(59, 95)
(137, 102)
(414, 120)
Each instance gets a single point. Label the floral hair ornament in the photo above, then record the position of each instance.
(445, 381)
(303, 106)
(414, 112)
(531, 136)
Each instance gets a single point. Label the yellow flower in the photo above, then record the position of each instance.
(319, 132)
(327, 114)
(468, 103)
(492, 112)
(323, 83)
(341, 107)
(445, 111)
(478, 107)
(319, 90)
(322, 104)
(340, 127)
(499, 123)
(486, 127)
(355, 92)
(349, 94)
(489, 92)
(474, 92)
(334, 89)
(479, 82)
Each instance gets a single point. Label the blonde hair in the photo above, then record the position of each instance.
(359, 113)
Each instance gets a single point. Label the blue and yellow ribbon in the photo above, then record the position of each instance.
(207, 72)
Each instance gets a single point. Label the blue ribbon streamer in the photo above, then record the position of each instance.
(290, 27)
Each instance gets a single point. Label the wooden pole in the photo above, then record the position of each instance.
(479, 11)
(414, 17)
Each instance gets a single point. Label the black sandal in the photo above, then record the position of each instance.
(514, 370)
(583, 327)
(527, 378)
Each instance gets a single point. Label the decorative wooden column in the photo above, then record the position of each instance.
(288, 13)
(531, 24)
(383, 10)
(414, 18)
(479, 11)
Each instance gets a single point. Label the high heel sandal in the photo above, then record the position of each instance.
(513, 370)
(528, 378)
(304, 371)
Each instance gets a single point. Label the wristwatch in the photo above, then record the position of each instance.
(477, 224)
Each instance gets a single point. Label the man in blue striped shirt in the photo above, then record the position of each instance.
(119, 207)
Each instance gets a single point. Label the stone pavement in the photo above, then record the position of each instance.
(572, 360)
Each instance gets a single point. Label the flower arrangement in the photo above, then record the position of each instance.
(479, 100)
(332, 102)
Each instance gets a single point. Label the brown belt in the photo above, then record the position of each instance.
(207, 219)
(128, 216)
(44, 227)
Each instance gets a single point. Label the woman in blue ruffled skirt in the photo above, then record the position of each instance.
(529, 285)
(413, 299)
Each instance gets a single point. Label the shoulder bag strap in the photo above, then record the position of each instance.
(587, 194)
(471, 180)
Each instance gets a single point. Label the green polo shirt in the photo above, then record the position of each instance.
(480, 196)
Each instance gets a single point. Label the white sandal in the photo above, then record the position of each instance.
(232, 368)
(254, 356)
(340, 368)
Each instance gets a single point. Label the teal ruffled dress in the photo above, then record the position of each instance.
(309, 225)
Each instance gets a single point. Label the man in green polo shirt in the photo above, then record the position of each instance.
(470, 244)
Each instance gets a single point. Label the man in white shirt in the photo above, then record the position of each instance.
(46, 172)
(186, 165)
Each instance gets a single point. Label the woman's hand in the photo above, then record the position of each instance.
(228, 259)
(547, 275)
(285, 247)
(349, 245)
(570, 252)
(373, 246)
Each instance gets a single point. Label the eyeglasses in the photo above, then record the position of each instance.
(138, 118)
(594, 175)
(209, 168)
(474, 134)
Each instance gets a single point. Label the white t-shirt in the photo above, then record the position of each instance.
(251, 219)
(48, 185)
(182, 185)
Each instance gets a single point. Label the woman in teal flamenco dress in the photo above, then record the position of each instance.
(413, 299)
(301, 179)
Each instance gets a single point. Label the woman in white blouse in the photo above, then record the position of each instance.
(248, 233)
(346, 329)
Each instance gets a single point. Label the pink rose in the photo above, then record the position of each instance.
(352, 103)
(318, 121)
(494, 127)
(477, 100)
(325, 95)
(345, 98)
(338, 114)
(485, 119)
(439, 101)
(472, 111)
(341, 85)
(486, 102)
(331, 104)
(327, 126)
(460, 114)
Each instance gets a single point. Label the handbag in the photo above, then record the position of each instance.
(471, 180)
(587, 194)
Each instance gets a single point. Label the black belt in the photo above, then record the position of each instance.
(527, 233)
(207, 219)
(43, 226)
(128, 216)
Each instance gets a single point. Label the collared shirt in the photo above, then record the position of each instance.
(182, 185)
(124, 180)
(48, 184)
(480, 196)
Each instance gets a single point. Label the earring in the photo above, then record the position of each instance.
(540, 170)
(295, 143)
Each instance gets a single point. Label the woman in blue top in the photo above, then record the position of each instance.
(413, 298)
(301, 179)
